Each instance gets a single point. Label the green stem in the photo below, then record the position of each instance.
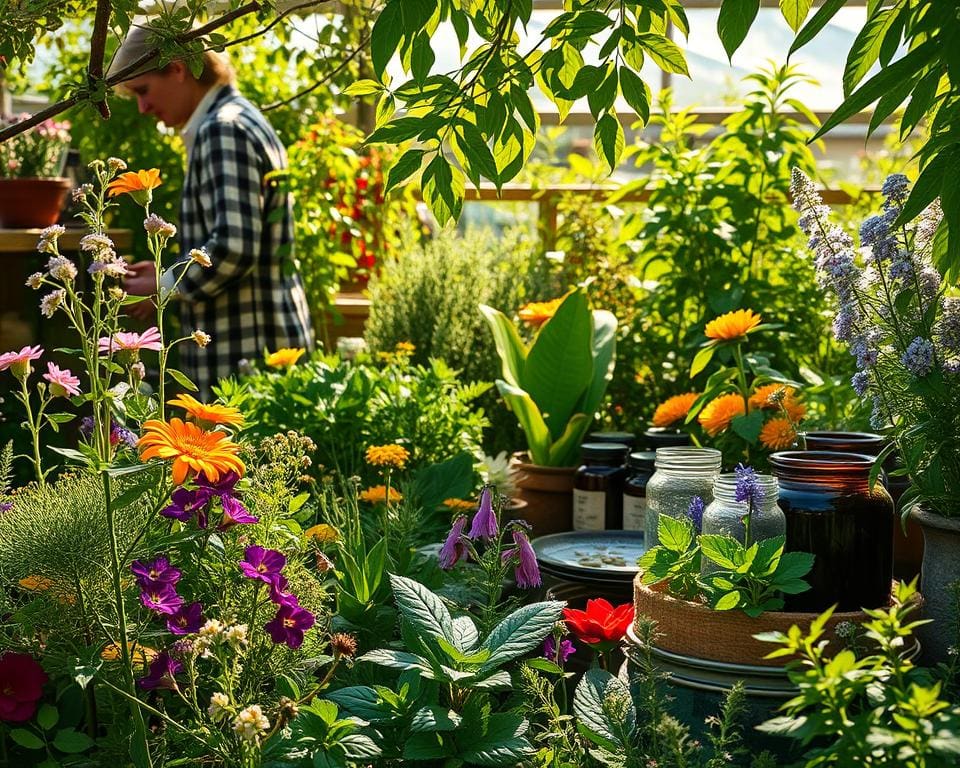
(34, 425)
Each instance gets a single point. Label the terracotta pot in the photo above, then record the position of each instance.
(29, 203)
(941, 568)
(548, 493)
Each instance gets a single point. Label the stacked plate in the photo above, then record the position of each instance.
(603, 558)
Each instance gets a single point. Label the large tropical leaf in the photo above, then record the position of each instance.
(510, 347)
(604, 348)
(531, 422)
(566, 449)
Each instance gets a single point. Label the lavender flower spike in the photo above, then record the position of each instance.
(748, 486)
(695, 513)
(484, 524)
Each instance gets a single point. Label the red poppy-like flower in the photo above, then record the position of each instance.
(601, 624)
(21, 685)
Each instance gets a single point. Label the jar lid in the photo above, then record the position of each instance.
(820, 465)
(725, 486)
(679, 457)
(642, 460)
(617, 451)
(626, 438)
(657, 437)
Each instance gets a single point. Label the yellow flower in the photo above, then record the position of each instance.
(732, 325)
(719, 412)
(459, 505)
(778, 433)
(674, 409)
(284, 358)
(208, 415)
(321, 533)
(378, 494)
(392, 455)
(140, 654)
(538, 312)
(134, 182)
(405, 347)
(191, 449)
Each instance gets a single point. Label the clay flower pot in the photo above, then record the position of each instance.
(548, 493)
(30, 203)
(941, 568)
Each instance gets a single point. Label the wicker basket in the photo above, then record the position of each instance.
(694, 629)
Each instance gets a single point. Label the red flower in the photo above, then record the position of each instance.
(21, 685)
(601, 624)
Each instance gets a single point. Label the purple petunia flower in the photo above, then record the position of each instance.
(454, 547)
(187, 620)
(567, 649)
(289, 625)
(527, 572)
(695, 513)
(185, 503)
(155, 574)
(748, 486)
(161, 598)
(484, 524)
(279, 594)
(234, 513)
(262, 564)
(161, 674)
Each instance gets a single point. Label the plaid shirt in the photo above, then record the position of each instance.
(251, 298)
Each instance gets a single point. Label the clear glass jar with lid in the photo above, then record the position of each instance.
(727, 516)
(682, 473)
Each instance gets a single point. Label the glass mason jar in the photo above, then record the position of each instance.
(726, 516)
(832, 512)
(681, 474)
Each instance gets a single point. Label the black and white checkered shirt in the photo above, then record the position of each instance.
(251, 298)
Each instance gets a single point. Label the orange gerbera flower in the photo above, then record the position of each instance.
(778, 433)
(674, 409)
(208, 415)
(538, 312)
(732, 325)
(191, 448)
(284, 358)
(378, 494)
(138, 184)
(719, 412)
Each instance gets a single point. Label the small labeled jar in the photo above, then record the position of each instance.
(728, 517)
(623, 438)
(598, 487)
(640, 468)
(681, 474)
(832, 512)
(656, 438)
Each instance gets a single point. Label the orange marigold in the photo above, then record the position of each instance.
(538, 312)
(191, 448)
(139, 654)
(133, 182)
(378, 494)
(674, 409)
(392, 455)
(460, 505)
(732, 325)
(405, 348)
(208, 414)
(284, 358)
(778, 433)
(36, 583)
(719, 412)
(322, 533)
(775, 395)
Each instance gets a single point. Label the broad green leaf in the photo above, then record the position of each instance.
(395, 659)
(363, 88)
(795, 12)
(591, 706)
(510, 347)
(47, 717)
(498, 681)
(465, 635)
(608, 140)
(636, 93)
(820, 19)
(449, 479)
(727, 602)
(734, 21)
(721, 550)
(601, 96)
(442, 187)
(502, 744)
(434, 718)
(866, 48)
(360, 701)
(385, 36)
(520, 632)
(424, 746)
(421, 57)
(950, 202)
(748, 426)
(665, 53)
(477, 152)
(421, 608)
(406, 166)
(182, 380)
(72, 742)
(358, 746)
(565, 450)
(531, 422)
(26, 739)
(604, 348)
(675, 533)
(702, 359)
(925, 189)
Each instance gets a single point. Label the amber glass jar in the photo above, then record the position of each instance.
(598, 487)
(832, 512)
(640, 467)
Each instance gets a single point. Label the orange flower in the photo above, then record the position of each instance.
(538, 312)
(674, 409)
(139, 654)
(138, 184)
(405, 348)
(208, 415)
(392, 455)
(378, 494)
(460, 505)
(284, 358)
(732, 325)
(795, 411)
(191, 448)
(719, 412)
(778, 433)
(779, 395)
(322, 533)
(36, 583)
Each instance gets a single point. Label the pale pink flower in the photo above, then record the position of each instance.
(62, 382)
(132, 341)
(19, 362)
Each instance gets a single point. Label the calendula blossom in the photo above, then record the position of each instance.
(284, 358)
(138, 184)
(778, 433)
(392, 455)
(674, 409)
(732, 325)
(536, 313)
(377, 494)
(720, 412)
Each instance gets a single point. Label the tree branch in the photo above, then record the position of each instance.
(98, 47)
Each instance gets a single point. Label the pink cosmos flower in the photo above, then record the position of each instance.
(62, 382)
(19, 362)
(131, 341)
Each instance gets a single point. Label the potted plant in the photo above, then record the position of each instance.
(902, 323)
(554, 386)
(32, 189)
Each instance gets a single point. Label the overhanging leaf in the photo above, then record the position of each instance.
(520, 632)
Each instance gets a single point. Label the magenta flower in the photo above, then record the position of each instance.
(130, 341)
(185, 502)
(62, 383)
(289, 625)
(527, 572)
(161, 674)
(159, 573)
(485, 521)
(19, 362)
(161, 598)
(279, 594)
(550, 651)
(234, 513)
(262, 564)
(187, 620)
(454, 547)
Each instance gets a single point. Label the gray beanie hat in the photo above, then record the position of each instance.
(133, 47)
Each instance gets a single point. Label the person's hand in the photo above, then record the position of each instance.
(141, 280)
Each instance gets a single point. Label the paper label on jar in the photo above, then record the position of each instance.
(634, 512)
(589, 510)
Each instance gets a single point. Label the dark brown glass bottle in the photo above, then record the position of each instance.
(640, 468)
(598, 487)
(832, 512)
